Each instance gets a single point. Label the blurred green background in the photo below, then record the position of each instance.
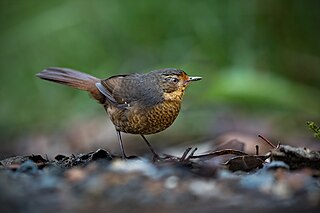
(257, 57)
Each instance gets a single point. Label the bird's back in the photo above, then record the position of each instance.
(142, 89)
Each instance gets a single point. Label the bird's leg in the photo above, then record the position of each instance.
(121, 145)
(155, 155)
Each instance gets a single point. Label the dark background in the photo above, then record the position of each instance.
(260, 63)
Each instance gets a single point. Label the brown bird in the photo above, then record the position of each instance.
(136, 103)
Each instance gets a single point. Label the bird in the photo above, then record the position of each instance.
(136, 103)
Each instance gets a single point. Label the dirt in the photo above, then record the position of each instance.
(217, 181)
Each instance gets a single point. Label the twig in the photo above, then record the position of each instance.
(267, 141)
(219, 153)
(183, 157)
(191, 154)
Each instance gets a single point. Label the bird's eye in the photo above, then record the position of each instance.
(174, 80)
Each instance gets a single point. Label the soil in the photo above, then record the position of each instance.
(286, 178)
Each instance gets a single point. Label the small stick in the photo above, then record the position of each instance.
(183, 157)
(257, 149)
(192, 153)
(267, 141)
(47, 157)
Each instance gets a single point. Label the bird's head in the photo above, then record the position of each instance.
(174, 82)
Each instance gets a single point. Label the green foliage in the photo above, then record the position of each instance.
(257, 53)
(315, 128)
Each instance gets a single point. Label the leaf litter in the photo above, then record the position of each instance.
(219, 180)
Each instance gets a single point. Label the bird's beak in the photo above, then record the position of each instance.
(194, 79)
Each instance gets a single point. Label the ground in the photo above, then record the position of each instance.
(222, 180)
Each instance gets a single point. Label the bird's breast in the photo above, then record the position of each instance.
(144, 120)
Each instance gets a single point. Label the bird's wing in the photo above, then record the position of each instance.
(106, 93)
(131, 89)
(111, 88)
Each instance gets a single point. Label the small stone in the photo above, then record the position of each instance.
(171, 182)
(29, 167)
(203, 188)
(75, 174)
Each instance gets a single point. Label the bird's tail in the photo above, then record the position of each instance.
(73, 78)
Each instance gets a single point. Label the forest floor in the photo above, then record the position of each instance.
(221, 180)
